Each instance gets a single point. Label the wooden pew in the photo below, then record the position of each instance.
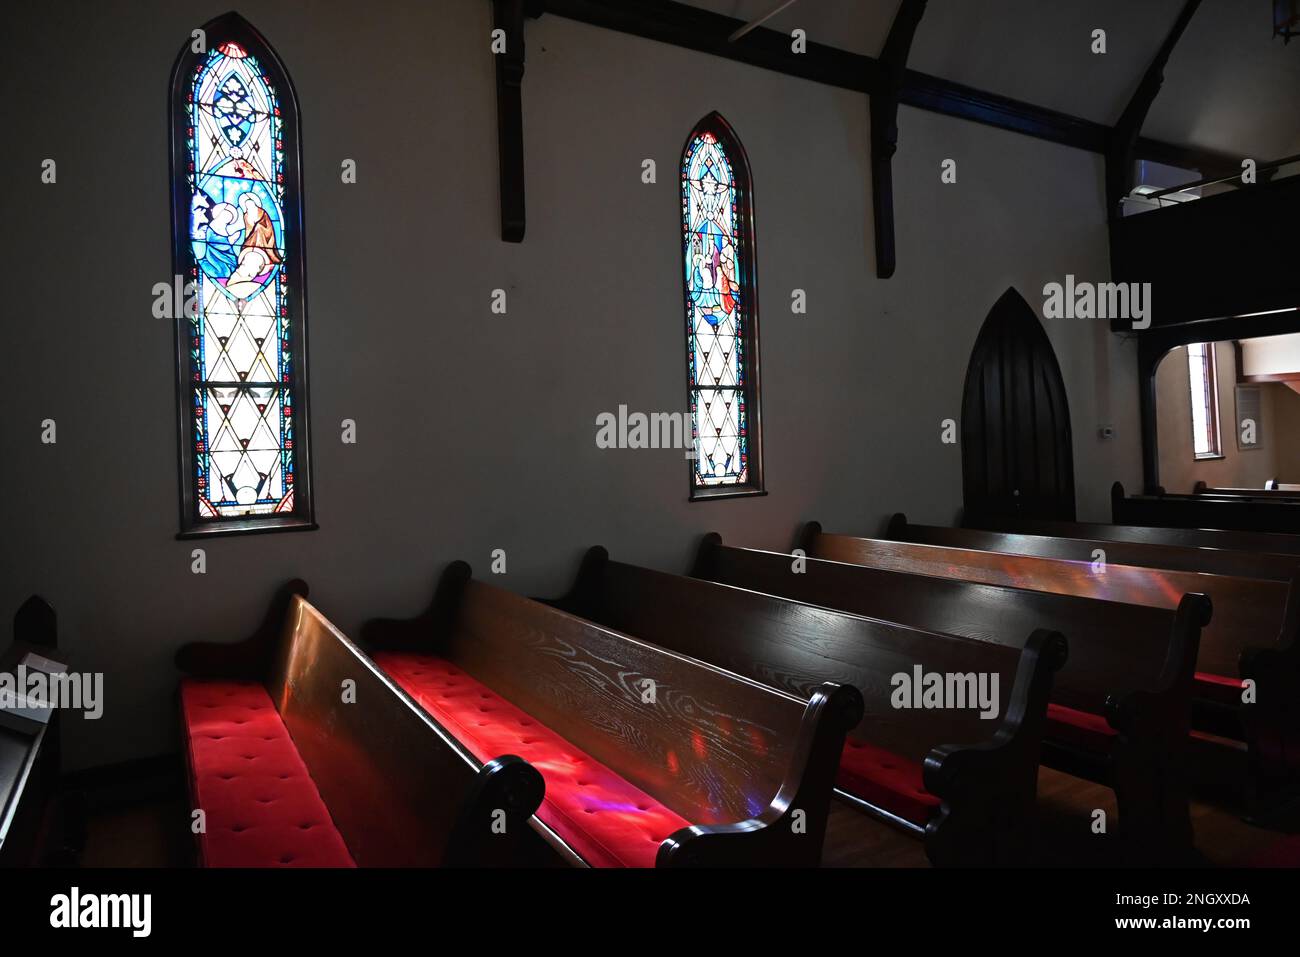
(675, 762)
(1269, 542)
(983, 772)
(1218, 561)
(1201, 490)
(397, 788)
(1121, 704)
(30, 754)
(1251, 637)
(1169, 511)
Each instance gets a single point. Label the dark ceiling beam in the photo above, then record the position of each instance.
(1121, 152)
(694, 29)
(884, 128)
(926, 92)
(706, 32)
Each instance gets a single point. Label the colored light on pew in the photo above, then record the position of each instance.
(758, 742)
(699, 745)
(673, 764)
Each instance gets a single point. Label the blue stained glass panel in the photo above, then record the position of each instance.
(714, 260)
(241, 337)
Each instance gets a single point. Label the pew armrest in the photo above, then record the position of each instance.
(987, 789)
(1149, 763)
(249, 659)
(807, 536)
(426, 631)
(791, 831)
(583, 596)
(1161, 716)
(507, 792)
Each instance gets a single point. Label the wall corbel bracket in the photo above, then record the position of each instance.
(884, 128)
(508, 16)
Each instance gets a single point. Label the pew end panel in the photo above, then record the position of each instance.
(994, 785)
(36, 624)
(251, 659)
(1150, 763)
(428, 631)
(1272, 721)
(805, 537)
(792, 830)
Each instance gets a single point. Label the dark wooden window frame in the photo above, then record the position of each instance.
(1210, 377)
(747, 263)
(232, 27)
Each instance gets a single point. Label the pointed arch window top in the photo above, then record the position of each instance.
(238, 244)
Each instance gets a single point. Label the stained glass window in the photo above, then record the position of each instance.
(721, 312)
(237, 217)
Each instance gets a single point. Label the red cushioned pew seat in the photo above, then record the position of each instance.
(886, 781)
(607, 820)
(1080, 729)
(262, 808)
(1219, 689)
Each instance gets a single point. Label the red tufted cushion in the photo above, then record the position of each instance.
(884, 779)
(609, 822)
(1219, 688)
(262, 807)
(1080, 729)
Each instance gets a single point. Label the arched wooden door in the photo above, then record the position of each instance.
(1017, 451)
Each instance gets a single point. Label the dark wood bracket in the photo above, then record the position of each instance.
(508, 16)
(1121, 151)
(884, 128)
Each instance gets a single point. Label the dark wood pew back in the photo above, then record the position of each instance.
(1254, 515)
(1115, 649)
(1226, 539)
(1265, 494)
(715, 747)
(1247, 612)
(982, 766)
(1219, 561)
(796, 647)
(584, 683)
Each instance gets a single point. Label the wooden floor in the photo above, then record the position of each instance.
(1065, 836)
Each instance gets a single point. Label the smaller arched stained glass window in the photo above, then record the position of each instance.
(721, 312)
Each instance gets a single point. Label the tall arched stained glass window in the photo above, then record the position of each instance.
(721, 313)
(238, 250)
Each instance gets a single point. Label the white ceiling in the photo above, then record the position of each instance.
(1230, 85)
